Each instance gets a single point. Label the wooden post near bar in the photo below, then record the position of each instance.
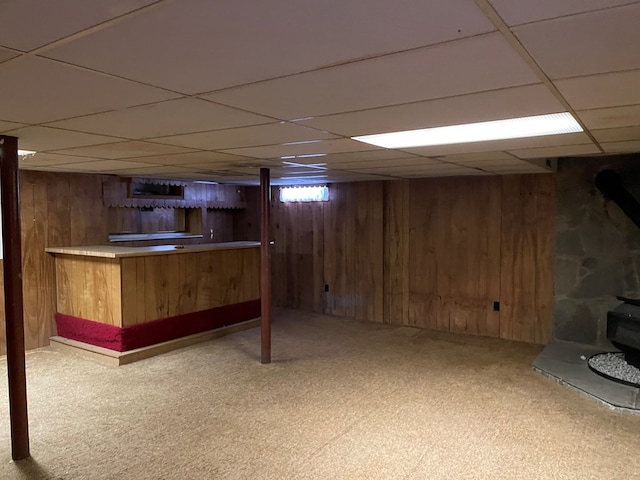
(265, 267)
(14, 312)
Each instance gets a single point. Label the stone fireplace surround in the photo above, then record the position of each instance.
(597, 256)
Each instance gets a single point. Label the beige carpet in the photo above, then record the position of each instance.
(342, 400)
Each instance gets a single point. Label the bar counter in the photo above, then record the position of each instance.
(124, 298)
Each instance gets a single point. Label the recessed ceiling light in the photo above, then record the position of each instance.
(536, 126)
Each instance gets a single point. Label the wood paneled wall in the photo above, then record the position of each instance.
(433, 253)
(338, 243)
(60, 209)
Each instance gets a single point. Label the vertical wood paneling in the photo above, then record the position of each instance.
(448, 248)
(39, 296)
(89, 288)
(396, 252)
(339, 250)
(527, 249)
(368, 235)
(60, 209)
(298, 254)
(423, 256)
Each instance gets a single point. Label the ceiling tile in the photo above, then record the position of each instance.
(104, 165)
(194, 157)
(448, 172)
(524, 168)
(597, 42)
(28, 24)
(516, 12)
(43, 138)
(35, 90)
(391, 162)
(463, 66)
(515, 144)
(360, 156)
(194, 46)
(611, 117)
(6, 54)
(313, 149)
(476, 107)
(510, 162)
(164, 118)
(8, 126)
(599, 91)
(273, 133)
(50, 159)
(561, 151)
(124, 150)
(476, 157)
(154, 170)
(402, 171)
(617, 134)
(631, 146)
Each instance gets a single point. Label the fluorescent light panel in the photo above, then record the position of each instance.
(536, 126)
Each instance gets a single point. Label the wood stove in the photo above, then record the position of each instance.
(623, 329)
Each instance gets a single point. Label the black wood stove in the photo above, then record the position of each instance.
(623, 329)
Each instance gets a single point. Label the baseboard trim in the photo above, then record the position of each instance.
(113, 358)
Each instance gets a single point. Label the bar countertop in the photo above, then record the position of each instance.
(111, 251)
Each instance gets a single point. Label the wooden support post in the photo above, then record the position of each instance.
(265, 266)
(14, 314)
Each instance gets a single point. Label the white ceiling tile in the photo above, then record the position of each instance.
(516, 12)
(273, 133)
(396, 162)
(6, 54)
(599, 91)
(104, 165)
(124, 150)
(395, 170)
(370, 155)
(8, 126)
(458, 172)
(631, 146)
(611, 117)
(515, 144)
(314, 148)
(36, 90)
(506, 162)
(590, 43)
(525, 168)
(476, 157)
(195, 46)
(617, 134)
(44, 138)
(561, 151)
(154, 170)
(190, 158)
(171, 117)
(28, 24)
(463, 66)
(476, 107)
(49, 168)
(50, 159)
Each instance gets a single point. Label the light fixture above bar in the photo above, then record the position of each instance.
(536, 126)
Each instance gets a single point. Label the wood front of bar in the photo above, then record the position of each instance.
(124, 298)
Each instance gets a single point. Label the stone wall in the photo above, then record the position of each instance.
(597, 248)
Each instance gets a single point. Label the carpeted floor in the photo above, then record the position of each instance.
(342, 400)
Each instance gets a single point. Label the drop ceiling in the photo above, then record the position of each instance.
(202, 90)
